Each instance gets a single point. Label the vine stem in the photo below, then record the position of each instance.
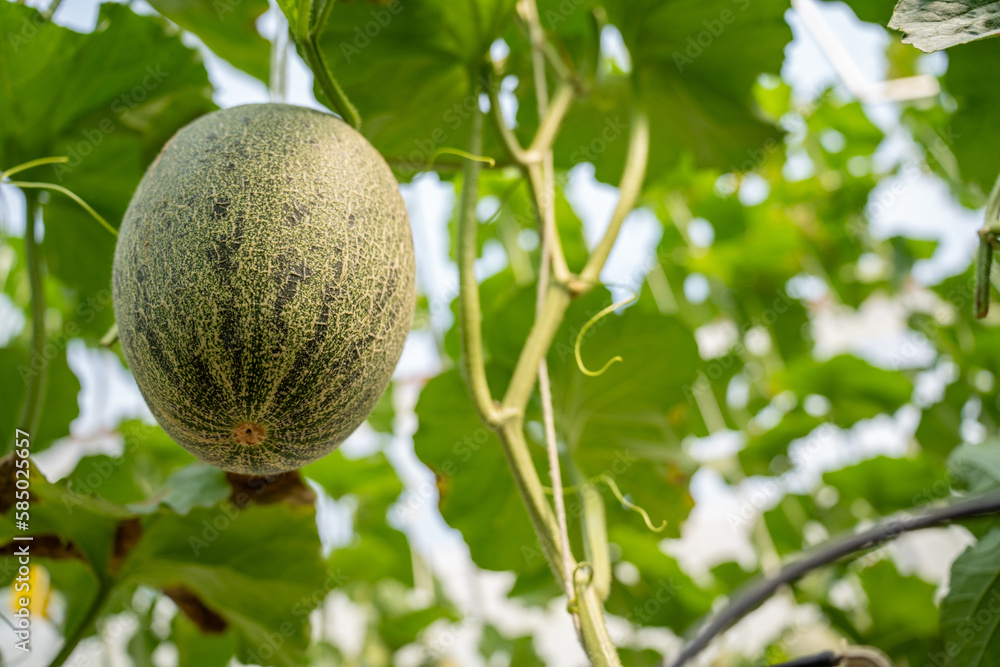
(827, 553)
(88, 621)
(307, 32)
(31, 412)
(634, 174)
(469, 310)
(551, 443)
(984, 257)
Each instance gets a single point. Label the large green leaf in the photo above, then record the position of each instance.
(113, 97)
(227, 27)
(625, 422)
(693, 68)
(973, 136)
(259, 568)
(969, 618)
(976, 467)
(477, 494)
(408, 68)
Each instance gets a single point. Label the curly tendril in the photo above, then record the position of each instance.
(583, 331)
(613, 486)
(630, 505)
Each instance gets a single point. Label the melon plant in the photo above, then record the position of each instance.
(263, 285)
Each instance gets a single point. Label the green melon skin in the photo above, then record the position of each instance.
(264, 285)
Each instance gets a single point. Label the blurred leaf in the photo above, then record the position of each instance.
(59, 407)
(227, 27)
(939, 431)
(976, 467)
(759, 455)
(378, 552)
(372, 481)
(197, 647)
(382, 416)
(476, 492)
(519, 650)
(195, 485)
(856, 389)
(901, 607)
(889, 485)
(664, 596)
(972, 136)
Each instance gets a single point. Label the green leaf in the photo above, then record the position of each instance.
(424, 54)
(259, 568)
(972, 135)
(519, 650)
(762, 449)
(889, 485)
(693, 69)
(933, 26)
(664, 596)
(856, 389)
(939, 431)
(196, 485)
(969, 620)
(227, 27)
(623, 422)
(112, 98)
(383, 414)
(152, 470)
(901, 607)
(976, 467)
(371, 481)
(477, 494)
(378, 552)
(197, 647)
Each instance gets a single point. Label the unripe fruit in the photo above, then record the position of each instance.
(264, 285)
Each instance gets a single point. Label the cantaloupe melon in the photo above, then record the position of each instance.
(264, 285)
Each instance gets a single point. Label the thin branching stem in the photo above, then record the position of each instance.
(549, 126)
(628, 193)
(510, 141)
(551, 442)
(469, 311)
